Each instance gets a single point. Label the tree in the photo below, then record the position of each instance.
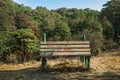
(61, 31)
(5, 42)
(26, 43)
(112, 11)
(6, 15)
(108, 30)
(22, 21)
(62, 11)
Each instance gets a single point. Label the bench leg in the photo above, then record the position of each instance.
(44, 60)
(87, 62)
(82, 59)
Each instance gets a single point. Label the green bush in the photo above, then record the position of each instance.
(96, 43)
(96, 51)
(110, 44)
(22, 43)
(26, 44)
(11, 58)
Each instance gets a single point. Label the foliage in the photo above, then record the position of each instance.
(11, 58)
(96, 42)
(22, 43)
(21, 21)
(26, 43)
(21, 28)
(112, 11)
(108, 30)
(109, 45)
(6, 15)
(61, 31)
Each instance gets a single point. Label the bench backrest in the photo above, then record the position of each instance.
(64, 48)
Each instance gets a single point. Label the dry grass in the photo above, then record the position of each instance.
(103, 67)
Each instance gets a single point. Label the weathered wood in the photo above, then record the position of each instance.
(49, 54)
(65, 42)
(64, 48)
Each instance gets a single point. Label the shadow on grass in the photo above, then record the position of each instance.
(22, 74)
(108, 76)
(66, 69)
(64, 73)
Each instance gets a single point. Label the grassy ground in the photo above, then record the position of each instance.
(103, 67)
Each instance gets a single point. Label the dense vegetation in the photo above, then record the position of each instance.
(21, 28)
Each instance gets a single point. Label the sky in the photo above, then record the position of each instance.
(55, 4)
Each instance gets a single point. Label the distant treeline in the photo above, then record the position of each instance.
(22, 28)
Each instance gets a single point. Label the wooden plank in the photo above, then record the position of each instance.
(64, 50)
(64, 54)
(64, 42)
(64, 46)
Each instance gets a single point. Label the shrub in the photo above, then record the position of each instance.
(26, 44)
(110, 44)
(96, 42)
(96, 51)
(11, 58)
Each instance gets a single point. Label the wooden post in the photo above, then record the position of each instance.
(82, 58)
(44, 60)
(85, 59)
(87, 62)
(84, 38)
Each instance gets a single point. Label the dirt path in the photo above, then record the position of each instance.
(104, 67)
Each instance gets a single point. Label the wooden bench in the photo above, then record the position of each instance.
(65, 48)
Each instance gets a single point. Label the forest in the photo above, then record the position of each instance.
(22, 28)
